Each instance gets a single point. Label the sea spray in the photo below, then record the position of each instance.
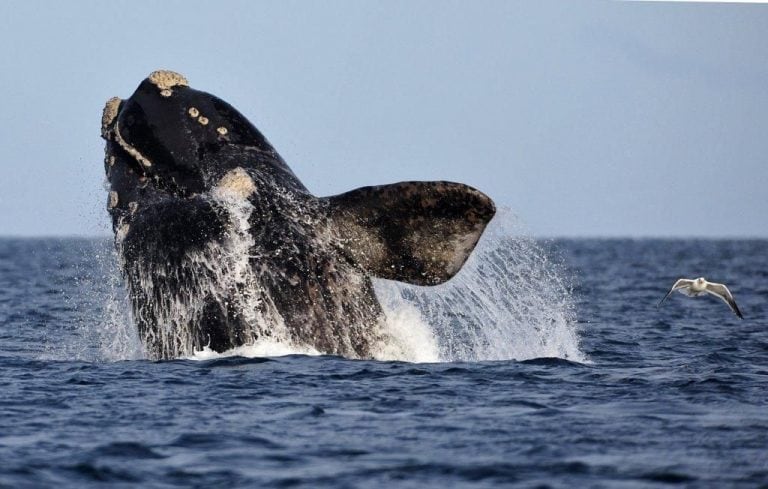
(510, 301)
(96, 308)
(117, 337)
(406, 336)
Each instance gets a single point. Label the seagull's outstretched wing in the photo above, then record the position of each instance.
(721, 291)
(682, 282)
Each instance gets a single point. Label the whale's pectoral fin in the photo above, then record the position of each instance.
(415, 232)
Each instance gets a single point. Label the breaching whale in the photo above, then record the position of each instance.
(221, 245)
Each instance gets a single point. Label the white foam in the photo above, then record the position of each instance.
(259, 349)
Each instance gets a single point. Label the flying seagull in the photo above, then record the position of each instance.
(693, 288)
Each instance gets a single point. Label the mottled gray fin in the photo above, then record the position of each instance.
(415, 232)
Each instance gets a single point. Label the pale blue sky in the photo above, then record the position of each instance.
(585, 118)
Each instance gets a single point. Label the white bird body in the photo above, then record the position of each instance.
(694, 288)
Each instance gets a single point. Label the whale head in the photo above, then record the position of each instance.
(168, 139)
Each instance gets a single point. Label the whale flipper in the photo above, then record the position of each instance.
(415, 232)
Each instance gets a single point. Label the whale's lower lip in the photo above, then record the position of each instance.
(143, 172)
(143, 161)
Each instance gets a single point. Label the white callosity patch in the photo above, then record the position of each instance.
(203, 120)
(510, 301)
(109, 114)
(236, 183)
(166, 79)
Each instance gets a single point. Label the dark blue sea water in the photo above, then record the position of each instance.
(661, 397)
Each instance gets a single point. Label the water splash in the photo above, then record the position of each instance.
(406, 336)
(100, 317)
(220, 273)
(510, 301)
(117, 338)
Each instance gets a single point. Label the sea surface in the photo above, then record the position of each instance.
(548, 365)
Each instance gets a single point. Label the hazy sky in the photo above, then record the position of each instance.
(585, 118)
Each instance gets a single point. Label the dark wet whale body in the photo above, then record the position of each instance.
(221, 245)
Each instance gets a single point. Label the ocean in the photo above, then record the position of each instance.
(543, 364)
